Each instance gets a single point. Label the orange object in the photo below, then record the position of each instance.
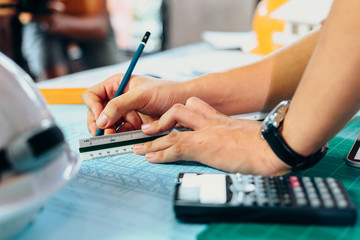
(264, 26)
(63, 95)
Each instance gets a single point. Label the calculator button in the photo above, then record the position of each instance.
(326, 196)
(248, 200)
(261, 194)
(295, 184)
(328, 203)
(331, 180)
(323, 191)
(336, 191)
(246, 188)
(317, 179)
(265, 201)
(239, 177)
(301, 201)
(313, 195)
(315, 202)
(321, 186)
(342, 203)
(311, 190)
(249, 187)
(287, 201)
(294, 178)
(240, 197)
(306, 179)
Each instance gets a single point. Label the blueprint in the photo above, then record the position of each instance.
(120, 197)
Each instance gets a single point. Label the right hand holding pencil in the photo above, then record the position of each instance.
(145, 99)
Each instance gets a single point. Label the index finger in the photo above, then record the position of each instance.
(95, 96)
(178, 113)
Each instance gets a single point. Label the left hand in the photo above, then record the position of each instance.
(218, 141)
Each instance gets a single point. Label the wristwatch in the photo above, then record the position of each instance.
(270, 131)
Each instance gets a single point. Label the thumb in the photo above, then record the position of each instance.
(117, 108)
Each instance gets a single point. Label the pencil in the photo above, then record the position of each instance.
(128, 73)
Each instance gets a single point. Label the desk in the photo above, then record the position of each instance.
(333, 165)
(125, 197)
(178, 64)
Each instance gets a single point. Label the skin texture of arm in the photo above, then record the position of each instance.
(326, 64)
(328, 95)
(245, 89)
(258, 86)
(326, 98)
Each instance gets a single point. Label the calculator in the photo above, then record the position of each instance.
(233, 197)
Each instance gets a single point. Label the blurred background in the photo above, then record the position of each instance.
(51, 38)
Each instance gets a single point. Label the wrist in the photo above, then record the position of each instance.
(272, 165)
(298, 139)
(271, 132)
(202, 87)
(268, 163)
(191, 88)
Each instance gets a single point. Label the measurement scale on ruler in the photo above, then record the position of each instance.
(120, 143)
(115, 144)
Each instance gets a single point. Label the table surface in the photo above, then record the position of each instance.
(125, 197)
(333, 165)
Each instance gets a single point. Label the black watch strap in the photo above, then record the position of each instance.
(297, 162)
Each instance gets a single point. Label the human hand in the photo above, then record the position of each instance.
(144, 100)
(217, 140)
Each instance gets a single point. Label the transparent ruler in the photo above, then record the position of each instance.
(115, 144)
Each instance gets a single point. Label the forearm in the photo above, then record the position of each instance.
(257, 86)
(328, 95)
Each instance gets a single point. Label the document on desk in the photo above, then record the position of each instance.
(120, 197)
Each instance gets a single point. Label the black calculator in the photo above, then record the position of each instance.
(232, 197)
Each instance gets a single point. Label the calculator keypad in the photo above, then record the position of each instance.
(293, 191)
(248, 198)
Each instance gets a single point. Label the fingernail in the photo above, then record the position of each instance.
(146, 126)
(137, 148)
(102, 120)
(150, 156)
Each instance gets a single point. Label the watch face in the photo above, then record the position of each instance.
(270, 132)
(276, 116)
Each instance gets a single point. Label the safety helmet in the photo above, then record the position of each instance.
(35, 160)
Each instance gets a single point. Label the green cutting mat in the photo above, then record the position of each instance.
(333, 165)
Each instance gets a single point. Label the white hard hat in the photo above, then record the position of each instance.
(35, 160)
